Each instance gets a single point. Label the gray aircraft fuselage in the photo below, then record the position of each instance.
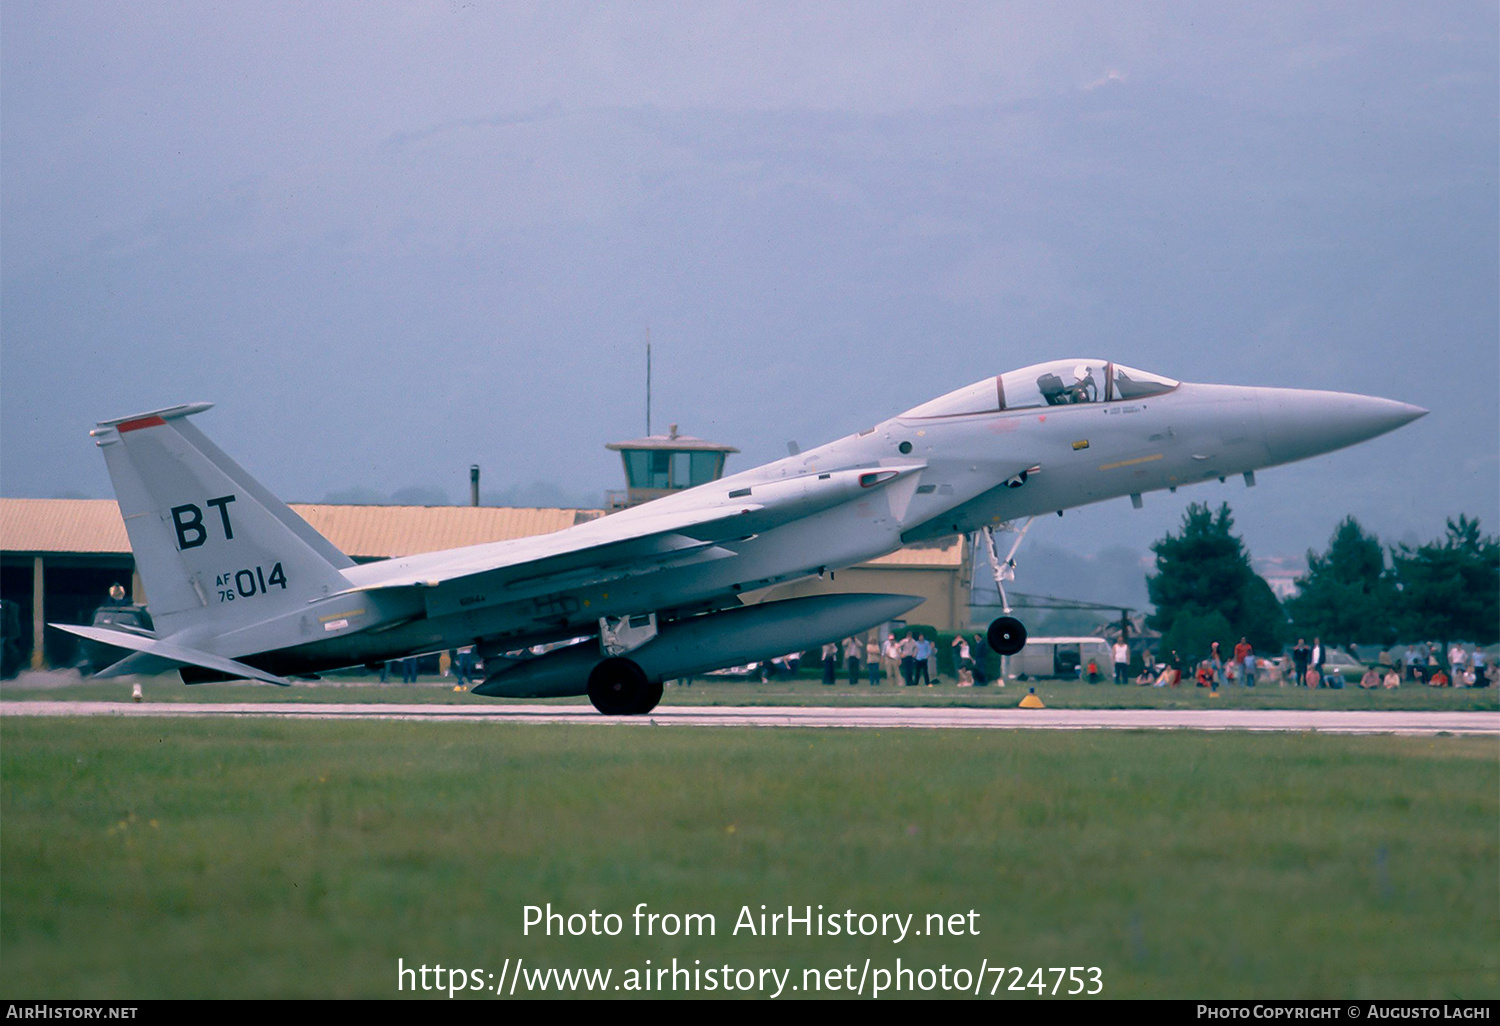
(961, 473)
(1041, 439)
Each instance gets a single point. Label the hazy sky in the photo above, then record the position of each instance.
(391, 240)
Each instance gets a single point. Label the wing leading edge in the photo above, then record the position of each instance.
(593, 553)
(666, 534)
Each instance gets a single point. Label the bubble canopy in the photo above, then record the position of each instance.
(1058, 383)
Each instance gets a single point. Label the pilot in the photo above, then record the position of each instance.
(1085, 389)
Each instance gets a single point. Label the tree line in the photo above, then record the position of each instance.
(1358, 591)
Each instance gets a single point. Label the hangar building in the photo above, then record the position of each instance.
(58, 558)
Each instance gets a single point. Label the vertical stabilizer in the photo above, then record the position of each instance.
(211, 544)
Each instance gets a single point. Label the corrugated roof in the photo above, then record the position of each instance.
(948, 553)
(364, 532)
(384, 531)
(62, 525)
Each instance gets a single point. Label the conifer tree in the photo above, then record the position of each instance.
(1205, 569)
(1450, 588)
(1348, 595)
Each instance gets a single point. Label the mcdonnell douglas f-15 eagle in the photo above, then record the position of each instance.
(239, 586)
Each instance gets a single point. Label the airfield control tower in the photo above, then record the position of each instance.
(659, 465)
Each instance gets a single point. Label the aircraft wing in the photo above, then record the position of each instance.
(597, 552)
(682, 530)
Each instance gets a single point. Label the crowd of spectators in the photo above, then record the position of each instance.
(910, 658)
(1316, 665)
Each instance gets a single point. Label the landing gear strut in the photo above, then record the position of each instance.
(618, 687)
(1006, 635)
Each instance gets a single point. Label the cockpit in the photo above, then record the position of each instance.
(1059, 383)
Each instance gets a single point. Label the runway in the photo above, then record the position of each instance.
(1331, 722)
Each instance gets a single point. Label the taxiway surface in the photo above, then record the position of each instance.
(1332, 722)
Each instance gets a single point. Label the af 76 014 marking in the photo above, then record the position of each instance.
(249, 582)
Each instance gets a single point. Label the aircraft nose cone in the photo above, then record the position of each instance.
(1302, 423)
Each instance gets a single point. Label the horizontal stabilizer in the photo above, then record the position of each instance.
(176, 654)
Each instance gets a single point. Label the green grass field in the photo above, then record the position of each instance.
(190, 858)
(801, 691)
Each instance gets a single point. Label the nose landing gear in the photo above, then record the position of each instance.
(1006, 634)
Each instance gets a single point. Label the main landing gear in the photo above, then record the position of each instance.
(618, 687)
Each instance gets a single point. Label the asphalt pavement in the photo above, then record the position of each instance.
(1330, 722)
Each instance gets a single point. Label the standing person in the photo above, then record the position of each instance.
(1301, 656)
(1216, 663)
(462, 663)
(979, 652)
(890, 657)
(1457, 657)
(872, 658)
(924, 653)
(1479, 663)
(1319, 657)
(854, 650)
(909, 659)
(1411, 658)
(1121, 654)
(961, 661)
(830, 663)
(1244, 656)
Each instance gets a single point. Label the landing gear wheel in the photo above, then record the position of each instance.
(618, 687)
(1006, 635)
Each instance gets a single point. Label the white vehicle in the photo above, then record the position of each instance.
(239, 586)
(1064, 658)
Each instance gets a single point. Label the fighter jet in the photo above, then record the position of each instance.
(239, 586)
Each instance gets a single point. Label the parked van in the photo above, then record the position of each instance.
(1060, 657)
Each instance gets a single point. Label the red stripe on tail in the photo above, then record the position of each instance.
(143, 422)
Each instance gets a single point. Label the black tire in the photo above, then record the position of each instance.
(1006, 635)
(618, 687)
